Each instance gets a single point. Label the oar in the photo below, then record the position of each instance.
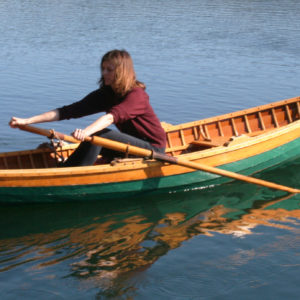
(133, 150)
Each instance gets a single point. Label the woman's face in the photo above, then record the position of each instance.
(108, 72)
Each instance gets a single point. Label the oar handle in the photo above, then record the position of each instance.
(49, 133)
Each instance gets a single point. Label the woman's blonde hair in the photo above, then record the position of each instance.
(125, 78)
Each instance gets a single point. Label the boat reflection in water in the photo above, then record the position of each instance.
(103, 241)
(137, 241)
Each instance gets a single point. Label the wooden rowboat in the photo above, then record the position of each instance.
(245, 142)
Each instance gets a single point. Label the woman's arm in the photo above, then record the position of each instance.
(49, 116)
(99, 124)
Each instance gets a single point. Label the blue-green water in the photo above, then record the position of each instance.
(198, 59)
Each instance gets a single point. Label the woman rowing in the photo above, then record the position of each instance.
(125, 103)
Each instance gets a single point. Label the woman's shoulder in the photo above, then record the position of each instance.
(137, 95)
(137, 91)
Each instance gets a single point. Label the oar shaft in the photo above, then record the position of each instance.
(237, 176)
(118, 146)
(186, 163)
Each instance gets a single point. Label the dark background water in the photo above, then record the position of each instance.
(198, 59)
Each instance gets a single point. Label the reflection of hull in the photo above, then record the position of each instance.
(104, 240)
(235, 198)
(246, 142)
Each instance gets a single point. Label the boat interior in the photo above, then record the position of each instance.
(185, 138)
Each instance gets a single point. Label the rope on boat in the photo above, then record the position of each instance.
(58, 156)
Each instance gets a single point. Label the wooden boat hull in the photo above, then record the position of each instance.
(34, 189)
(244, 154)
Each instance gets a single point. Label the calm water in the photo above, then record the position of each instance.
(198, 59)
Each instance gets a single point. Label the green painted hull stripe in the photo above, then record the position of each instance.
(111, 190)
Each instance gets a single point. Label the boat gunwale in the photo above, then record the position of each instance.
(172, 128)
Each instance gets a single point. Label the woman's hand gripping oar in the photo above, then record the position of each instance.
(133, 150)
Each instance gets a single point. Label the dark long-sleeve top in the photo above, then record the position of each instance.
(132, 113)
